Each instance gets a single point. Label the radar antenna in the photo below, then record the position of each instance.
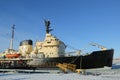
(47, 25)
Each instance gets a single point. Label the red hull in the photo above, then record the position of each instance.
(12, 55)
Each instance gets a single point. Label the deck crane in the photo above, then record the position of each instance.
(68, 66)
(99, 46)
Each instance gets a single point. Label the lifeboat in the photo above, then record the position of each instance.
(15, 55)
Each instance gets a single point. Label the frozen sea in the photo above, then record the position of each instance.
(100, 74)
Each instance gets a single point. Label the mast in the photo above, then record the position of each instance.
(12, 37)
(47, 25)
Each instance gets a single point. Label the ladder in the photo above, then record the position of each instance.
(67, 66)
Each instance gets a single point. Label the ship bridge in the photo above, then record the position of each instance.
(51, 46)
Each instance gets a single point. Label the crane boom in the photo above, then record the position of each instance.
(99, 46)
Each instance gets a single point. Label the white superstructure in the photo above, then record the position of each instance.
(50, 47)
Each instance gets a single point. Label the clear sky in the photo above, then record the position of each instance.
(75, 22)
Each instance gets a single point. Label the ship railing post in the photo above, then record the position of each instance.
(82, 71)
(81, 62)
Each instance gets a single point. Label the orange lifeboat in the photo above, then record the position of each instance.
(15, 55)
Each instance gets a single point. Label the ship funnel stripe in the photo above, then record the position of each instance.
(26, 42)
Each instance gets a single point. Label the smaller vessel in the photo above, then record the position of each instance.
(12, 54)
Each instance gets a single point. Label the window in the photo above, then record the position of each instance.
(56, 40)
(48, 42)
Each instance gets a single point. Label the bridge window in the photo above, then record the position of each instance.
(48, 42)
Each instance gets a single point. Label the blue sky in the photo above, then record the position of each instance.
(76, 22)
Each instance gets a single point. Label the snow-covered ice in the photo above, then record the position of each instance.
(71, 76)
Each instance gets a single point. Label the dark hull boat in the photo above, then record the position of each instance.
(50, 52)
(97, 59)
